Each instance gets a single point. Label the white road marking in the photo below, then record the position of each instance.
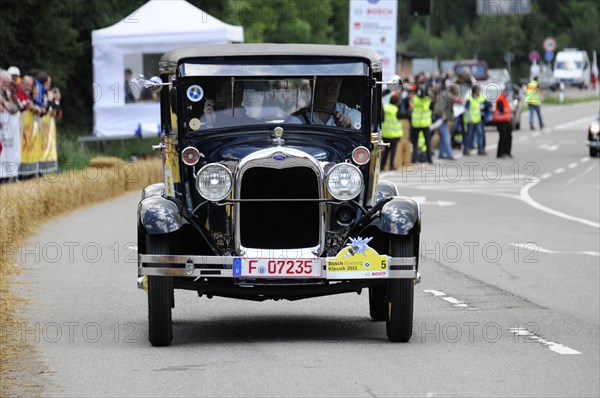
(580, 121)
(422, 200)
(585, 159)
(525, 197)
(436, 293)
(573, 165)
(451, 300)
(578, 176)
(559, 170)
(538, 249)
(558, 348)
(549, 147)
(545, 175)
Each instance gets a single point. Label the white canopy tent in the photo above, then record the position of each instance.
(153, 29)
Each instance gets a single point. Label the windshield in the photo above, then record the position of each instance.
(498, 75)
(217, 102)
(569, 65)
(478, 71)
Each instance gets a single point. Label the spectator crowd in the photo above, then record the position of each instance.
(456, 107)
(28, 104)
(30, 92)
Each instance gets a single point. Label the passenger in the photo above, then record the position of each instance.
(226, 108)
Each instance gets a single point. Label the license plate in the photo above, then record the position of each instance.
(276, 268)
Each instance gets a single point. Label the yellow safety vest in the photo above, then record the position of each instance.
(421, 113)
(533, 94)
(475, 108)
(391, 126)
(421, 143)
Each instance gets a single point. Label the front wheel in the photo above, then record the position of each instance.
(400, 295)
(593, 152)
(160, 297)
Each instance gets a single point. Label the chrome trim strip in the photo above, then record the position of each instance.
(227, 266)
(291, 69)
(228, 260)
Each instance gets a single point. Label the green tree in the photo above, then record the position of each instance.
(35, 37)
(496, 37)
(280, 21)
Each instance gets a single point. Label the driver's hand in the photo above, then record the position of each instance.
(343, 120)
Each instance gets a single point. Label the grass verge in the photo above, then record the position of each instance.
(567, 101)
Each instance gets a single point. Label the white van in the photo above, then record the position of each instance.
(572, 67)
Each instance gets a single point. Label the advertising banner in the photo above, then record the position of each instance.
(29, 134)
(10, 145)
(38, 144)
(373, 25)
(48, 158)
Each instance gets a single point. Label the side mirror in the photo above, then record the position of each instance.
(393, 85)
(154, 84)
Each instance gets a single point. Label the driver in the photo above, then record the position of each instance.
(327, 110)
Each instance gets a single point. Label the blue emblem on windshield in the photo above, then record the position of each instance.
(279, 156)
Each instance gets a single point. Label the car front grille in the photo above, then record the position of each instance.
(276, 224)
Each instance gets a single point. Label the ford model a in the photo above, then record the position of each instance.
(271, 184)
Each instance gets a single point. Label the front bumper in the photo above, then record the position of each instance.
(222, 267)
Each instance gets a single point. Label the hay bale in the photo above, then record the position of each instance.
(28, 204)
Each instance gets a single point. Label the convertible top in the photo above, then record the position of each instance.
(170, 60)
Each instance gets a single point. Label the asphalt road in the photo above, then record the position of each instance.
(508, 306)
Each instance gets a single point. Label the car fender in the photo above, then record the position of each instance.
(158, 215)
(386, 189)
(153, 190)
(400, 216)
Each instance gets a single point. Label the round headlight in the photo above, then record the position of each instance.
(344, 181)
(595, 128)
(213, 182)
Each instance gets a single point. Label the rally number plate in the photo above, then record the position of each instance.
(276, 268)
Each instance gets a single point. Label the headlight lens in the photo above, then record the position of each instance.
(595, 128)
(213, 182)
(344, 181)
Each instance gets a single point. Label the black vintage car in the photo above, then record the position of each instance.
(594, 137)
(271, 186)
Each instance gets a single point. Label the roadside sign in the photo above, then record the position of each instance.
(548, 55)
(549, 44)
(374, 25)
(534, 56)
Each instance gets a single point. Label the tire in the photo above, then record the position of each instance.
(593, 152)
(400, 295)
(377, 303)
(160, 297)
